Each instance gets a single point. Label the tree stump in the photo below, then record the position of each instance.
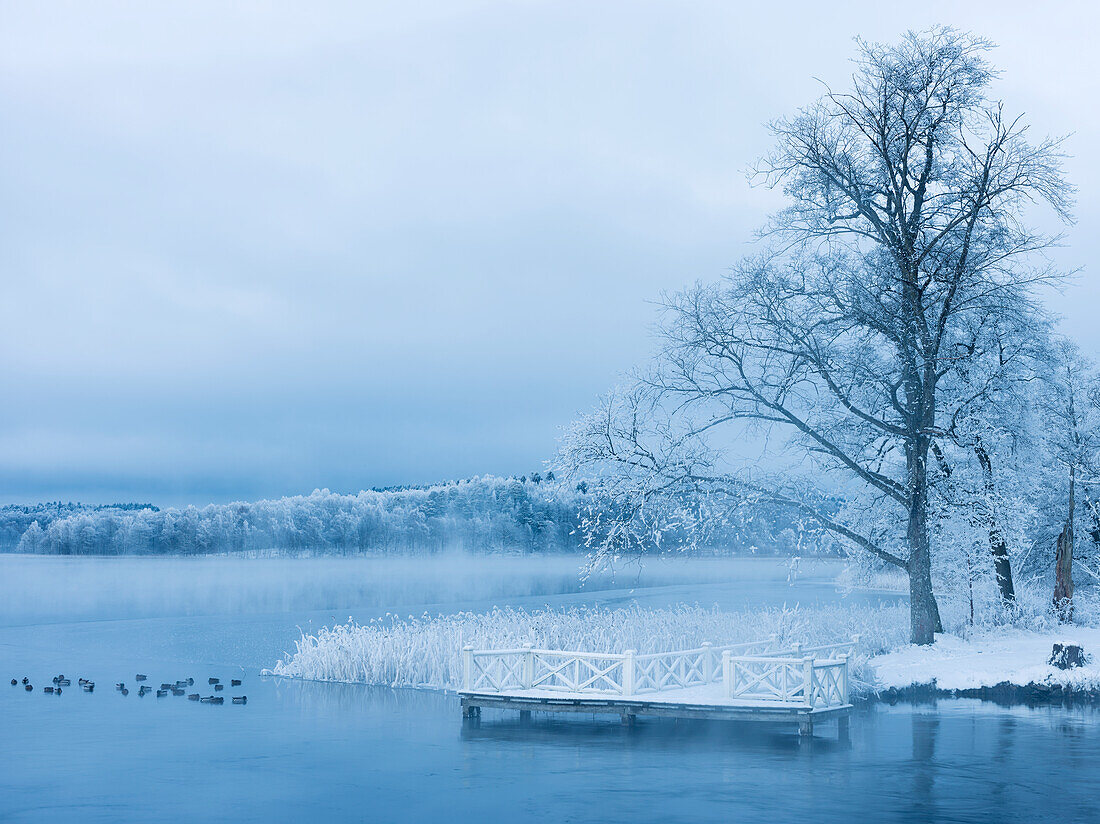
(1067, 656)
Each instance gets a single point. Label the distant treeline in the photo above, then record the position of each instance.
(486, 514)
(16, 519)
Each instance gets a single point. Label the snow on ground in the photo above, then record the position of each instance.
(990, 658)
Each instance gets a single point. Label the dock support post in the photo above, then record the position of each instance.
(471, 715)
(805, 729)
(525, 716)
(628, 719)
(843, 733)
(628, 672)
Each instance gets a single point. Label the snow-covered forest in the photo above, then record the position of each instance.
(485, 514)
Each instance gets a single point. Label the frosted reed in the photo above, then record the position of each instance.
(424, 651)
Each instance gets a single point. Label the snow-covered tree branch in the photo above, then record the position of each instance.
(887, 308)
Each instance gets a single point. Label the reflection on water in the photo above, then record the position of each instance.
(925, 727)
(669, 736)
(334, 699)
(303, 751)
(312, 751)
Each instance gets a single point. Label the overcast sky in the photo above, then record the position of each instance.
(249, 251)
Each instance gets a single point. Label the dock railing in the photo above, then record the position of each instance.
(750, 671)
(626, 673)
(816, 677)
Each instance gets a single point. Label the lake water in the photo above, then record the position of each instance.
(308, 751)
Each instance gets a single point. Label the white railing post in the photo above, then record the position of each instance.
(797, 647)
(844, 678)
(628, 672)
(528, 678)
(708, 660)
(467, 667)
(727, 672)
(808, 679)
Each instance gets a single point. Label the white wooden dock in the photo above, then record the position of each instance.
(756, 681)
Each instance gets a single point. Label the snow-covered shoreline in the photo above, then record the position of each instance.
(424, 652)
(991, 658)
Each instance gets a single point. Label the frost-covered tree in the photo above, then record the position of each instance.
(902, 251)
(989, 435)
(1069, 405)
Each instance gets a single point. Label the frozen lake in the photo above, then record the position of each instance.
(309, 751)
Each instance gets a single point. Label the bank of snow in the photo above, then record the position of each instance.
(990, 658)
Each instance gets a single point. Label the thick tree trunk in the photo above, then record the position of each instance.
(1063, 574)
(1002, 564)
(924, 613)
(1063, 561)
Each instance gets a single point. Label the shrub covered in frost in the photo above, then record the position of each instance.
(426, 650)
